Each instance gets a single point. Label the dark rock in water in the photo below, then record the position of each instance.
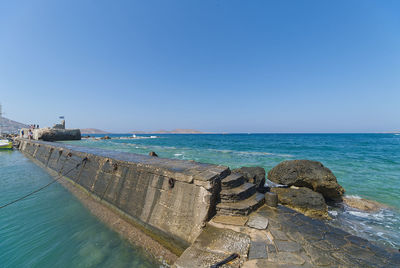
(310, 174)
(255, 175)
(363, 204)
(153, 154)
(105, 138)
(303, 200)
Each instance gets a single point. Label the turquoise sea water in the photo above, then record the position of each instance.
(366, 165)
(52, 228)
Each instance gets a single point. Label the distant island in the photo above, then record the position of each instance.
(174, 131)
(93, 131)
(162, 131)
(390, 132)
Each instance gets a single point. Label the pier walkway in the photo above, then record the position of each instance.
(281, 237)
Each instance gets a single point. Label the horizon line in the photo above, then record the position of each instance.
(227, 133)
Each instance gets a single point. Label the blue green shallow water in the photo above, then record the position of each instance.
(52, 228)
(366, 165)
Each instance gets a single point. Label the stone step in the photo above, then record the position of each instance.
(238, 193)
(233, 180)
(243, 207)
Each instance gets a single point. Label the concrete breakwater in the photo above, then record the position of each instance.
(51, 134)
(175, 203)
(170, 199)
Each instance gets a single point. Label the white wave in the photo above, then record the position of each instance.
(251, 153)
(333, 213)
(165, 147)
(360, 214)
(354, 196)
(178, 154)
(136, 138)
(379, 216)
(225, 151)
(285, 155)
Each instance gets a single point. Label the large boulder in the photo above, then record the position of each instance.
(254, 175)
(303, 200)
(310, 174)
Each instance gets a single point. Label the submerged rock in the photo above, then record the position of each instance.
(303, 200)
(105, 138)
(153, 154)
(310, 174)
(255, 175)
(363, 204)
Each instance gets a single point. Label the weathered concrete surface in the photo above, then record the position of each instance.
(255, 175)
(212, 246)
(60, 126)
(237, 196)
(232, 220)
(257, 221)
(53, 134)
(171, 199)
(294, 240)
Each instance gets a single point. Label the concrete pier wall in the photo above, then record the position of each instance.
(52, 134)
(171, 199)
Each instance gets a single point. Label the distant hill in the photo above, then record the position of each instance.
(175, 131)
(93, 131)
(10, 126)
(186, 131)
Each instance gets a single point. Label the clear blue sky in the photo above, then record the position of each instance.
(234, 66)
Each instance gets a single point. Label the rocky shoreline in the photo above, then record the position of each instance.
(363, 204)
(306, 186)
(296, 233)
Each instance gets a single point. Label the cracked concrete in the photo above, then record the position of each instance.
(294, 240)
